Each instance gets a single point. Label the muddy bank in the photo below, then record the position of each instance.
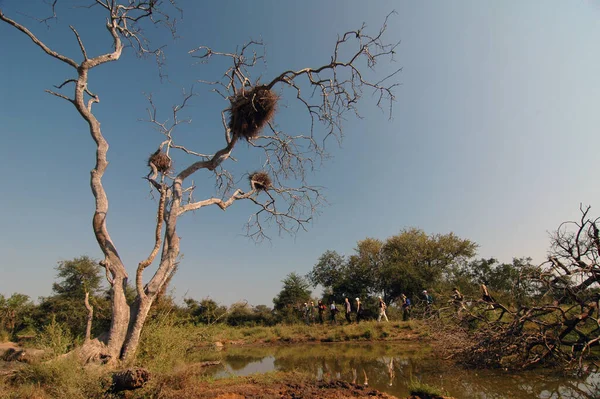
(253, 388)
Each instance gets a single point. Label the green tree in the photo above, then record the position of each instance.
(358, 275)
(363, 270)
(509, 282)
(328, 270)
(289, 301)
(414, 261)
(76, 277)
(205, 311)
(405, 263)
(15, 312)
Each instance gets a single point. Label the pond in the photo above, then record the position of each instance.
(389, 367)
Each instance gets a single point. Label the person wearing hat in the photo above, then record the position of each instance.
(358, 311)
(382, 308)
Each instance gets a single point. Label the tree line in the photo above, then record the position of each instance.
(405, 263)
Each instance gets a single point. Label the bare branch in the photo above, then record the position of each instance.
(46, 19)
(38, 42)
(157, 241)
(59, 95)
(327, 93)
(237, 195)
(81, 46)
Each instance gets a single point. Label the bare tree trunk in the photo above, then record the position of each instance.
(90, 317)
(120, 318)
(139, 312)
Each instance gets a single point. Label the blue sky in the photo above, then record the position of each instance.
(493, 136)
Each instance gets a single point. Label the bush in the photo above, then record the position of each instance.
(166, 343)
(64, 378)
(55, 338)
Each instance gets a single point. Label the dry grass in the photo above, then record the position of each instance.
(366, 331)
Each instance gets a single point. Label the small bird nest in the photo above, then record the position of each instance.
(260, 181)
(160, 160)
(251, 111)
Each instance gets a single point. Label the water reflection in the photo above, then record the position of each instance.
(389, 368)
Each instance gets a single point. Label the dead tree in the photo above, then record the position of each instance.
(561, 326)
(279, 189)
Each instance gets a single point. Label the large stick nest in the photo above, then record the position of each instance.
(260, 181)
(161, 161)
(251, 111)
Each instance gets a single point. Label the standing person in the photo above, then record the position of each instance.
(405, 307)
(321, 309)
(312, 312)
(428, 301)
(333, 310)
(457, 300)
(382, 308)
(348, 309)
(359, 311)
(485, 295)
(306, 314)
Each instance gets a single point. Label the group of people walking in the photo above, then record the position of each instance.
(356, 312)
(310, 310)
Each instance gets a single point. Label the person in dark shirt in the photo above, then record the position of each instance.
(359, 311)
(405, 307)
(321, 310)
(333, 311)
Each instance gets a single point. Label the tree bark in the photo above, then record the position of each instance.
(139, 313)
(90, 317)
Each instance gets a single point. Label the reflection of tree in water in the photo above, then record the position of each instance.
(385, 364)
(238, 362)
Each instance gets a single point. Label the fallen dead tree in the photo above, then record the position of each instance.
(561, 328)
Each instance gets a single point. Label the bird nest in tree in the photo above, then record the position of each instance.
(251, 111)
(260, 181)
(160, 160)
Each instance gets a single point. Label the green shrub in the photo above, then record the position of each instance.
(55, 338)
(165, 343)
(62, 378)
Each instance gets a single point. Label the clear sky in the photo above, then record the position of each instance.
(494, 136)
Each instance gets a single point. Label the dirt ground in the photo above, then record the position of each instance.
(4, 346)
(257, 388)
(276, 390)
(249, 388)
